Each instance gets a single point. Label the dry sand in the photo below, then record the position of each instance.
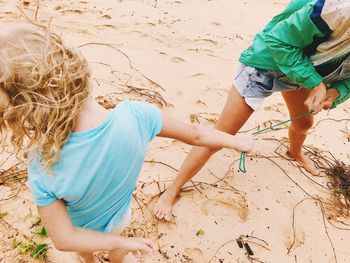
(186, 53)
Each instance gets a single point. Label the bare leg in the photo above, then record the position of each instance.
(87, 257)
(298, 129)
(235, 113)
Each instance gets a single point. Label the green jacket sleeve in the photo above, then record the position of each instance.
(343, 88)
(286, 42)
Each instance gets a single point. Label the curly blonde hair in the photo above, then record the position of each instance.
(43, 86)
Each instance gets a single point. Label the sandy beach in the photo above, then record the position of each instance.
(182, 56)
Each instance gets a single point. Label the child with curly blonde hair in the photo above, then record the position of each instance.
(84, 161)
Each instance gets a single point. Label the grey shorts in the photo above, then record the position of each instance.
(256, 84)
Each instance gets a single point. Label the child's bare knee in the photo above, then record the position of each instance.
(303, 125)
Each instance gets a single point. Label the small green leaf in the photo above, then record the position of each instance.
(41, 231)
(39, 251)
(23, 248)
(200, 232)
(15, 243)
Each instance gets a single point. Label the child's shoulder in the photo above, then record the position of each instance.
(146, 116)
(128, 105)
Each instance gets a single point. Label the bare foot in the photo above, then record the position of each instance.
(130, 258)
(164, 206)
(304, 162)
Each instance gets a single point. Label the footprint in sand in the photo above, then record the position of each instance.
(173, 59)
(216, 207)
(177, 60)
(106, 26)
(76, 11)
(199, 74)
(207, 40)
(216, 24)
(195, 255)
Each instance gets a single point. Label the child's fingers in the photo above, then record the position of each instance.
(316, 97)
(308, 103)
(319, 107)
(147, 246)
(314, 104)
(328, 104)
(319, 104)
(151, 245)
(151, 248)
(167, 217)
(160, 215)
(137, 253)
(318, 100)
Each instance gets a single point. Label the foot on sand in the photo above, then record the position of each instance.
(304, 162)
(164, 206)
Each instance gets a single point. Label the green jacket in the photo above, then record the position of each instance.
(306, 34)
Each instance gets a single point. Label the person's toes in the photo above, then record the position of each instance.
(310, 169)
(160, 215)
(167, 217)
(157, 210)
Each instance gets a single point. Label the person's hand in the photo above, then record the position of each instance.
(139, 246)
(331, 95)
(317, 96)
(244, 142)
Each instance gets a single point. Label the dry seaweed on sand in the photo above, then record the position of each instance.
(12, 176)
(339, 178)
(339, 173)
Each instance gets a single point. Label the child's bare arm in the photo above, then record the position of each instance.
(200, 135)
(67, 237)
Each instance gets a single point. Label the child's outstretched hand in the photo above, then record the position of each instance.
(139, 246)
(244, 142)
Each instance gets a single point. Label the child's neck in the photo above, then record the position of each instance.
(91, 116)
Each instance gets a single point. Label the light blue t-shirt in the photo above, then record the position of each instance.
(98, 168)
